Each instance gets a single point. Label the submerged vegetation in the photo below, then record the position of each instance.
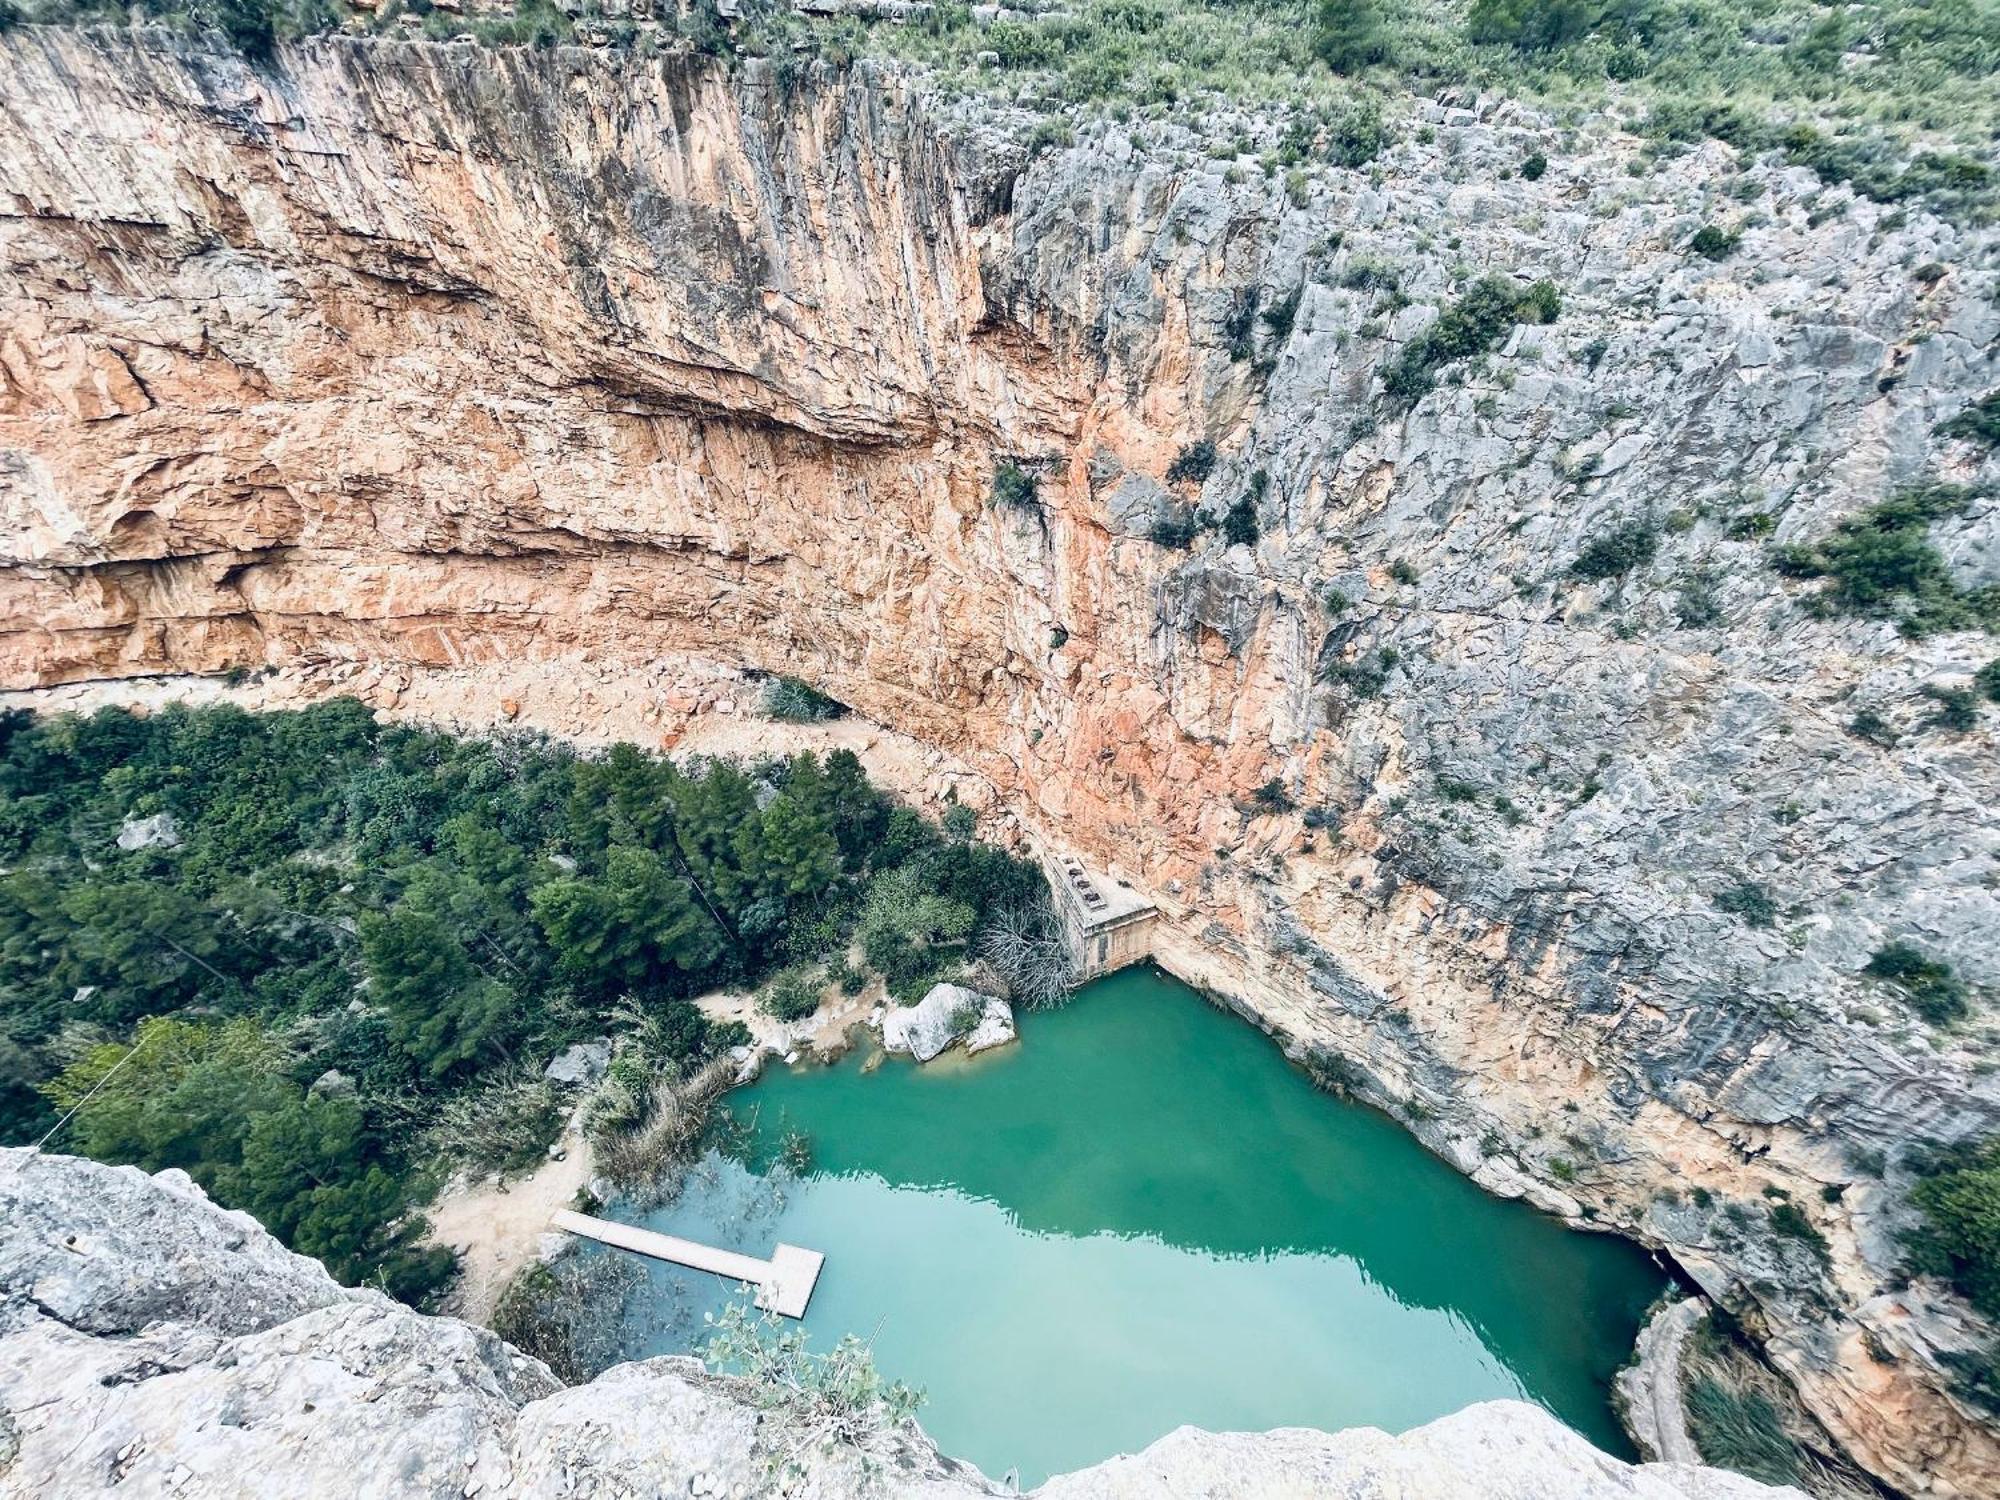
(817, 1401)
(300, 955)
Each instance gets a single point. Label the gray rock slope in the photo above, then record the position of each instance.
(152, 1343)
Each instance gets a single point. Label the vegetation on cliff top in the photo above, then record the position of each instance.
(304, 955)
(1896, 96)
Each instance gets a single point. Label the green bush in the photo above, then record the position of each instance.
(1175, 532)
(1531, 25)
(1788, 1219)
(1869, 725)
(1367, 273)
(1349, 35)
(793, 995)
(1239, 523)
(796, 702)
(1881, 563)
(1714, 243)
(1987, 680)
(1362, 678)
(1700, 603)
(1358, 136)
(1193, 464)
(1958, 1194)
(1617, 552)
(1975, 1374)
(1272, 797)
(1474, 323)
(1957, 710)
(1934, 992)
(1014, 488)
(1978, 423)
(1534, 166)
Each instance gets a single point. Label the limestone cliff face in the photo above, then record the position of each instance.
(152, 1344)
(439, 358)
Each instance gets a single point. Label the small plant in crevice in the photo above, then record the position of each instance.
(1714, 242)
(1617, 552)
(1750, 901)
(1789, 1220)
(1280, 315)
(795, 702)
(1975, 1374)
(1928, 984)
(1240, 324)
(1403, 572)
(1271, 798)
(1363, 677)
(1369, 273)
(1534, 166)
(1239, 522)
(1477, 321)
(1175, 532)
(1193, 464)
(1987, 681)
(1957, 710)
(1699, 605)
(1333, 1072)
(1014, 489)
(1978, 423)
(1869, 725)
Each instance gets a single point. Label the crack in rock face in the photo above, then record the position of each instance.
(1435, 726)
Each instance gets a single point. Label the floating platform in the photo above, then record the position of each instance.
(784, 1283)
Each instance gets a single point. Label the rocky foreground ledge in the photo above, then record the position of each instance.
(152, 1343)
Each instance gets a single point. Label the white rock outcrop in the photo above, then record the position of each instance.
(158, 831)
(948, 1014)
(152, 1343)
(580, 1064)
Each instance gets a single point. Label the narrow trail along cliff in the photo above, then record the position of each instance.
(517, 377)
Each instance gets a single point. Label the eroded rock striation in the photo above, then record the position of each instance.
(152, 1343)
(438, 358)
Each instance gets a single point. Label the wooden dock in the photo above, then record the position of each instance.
(784, 1283)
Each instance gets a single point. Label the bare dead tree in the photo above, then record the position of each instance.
(1028, 946)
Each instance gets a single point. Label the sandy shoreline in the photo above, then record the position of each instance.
(497, 1227)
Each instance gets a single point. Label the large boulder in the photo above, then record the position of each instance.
(580, 1064)
(950, 1013)
(158, 831)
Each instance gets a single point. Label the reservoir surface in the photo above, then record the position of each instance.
(1141, 1216)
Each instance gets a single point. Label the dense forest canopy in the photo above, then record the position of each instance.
(204, 913)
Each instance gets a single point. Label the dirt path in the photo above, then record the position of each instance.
(498, 1229)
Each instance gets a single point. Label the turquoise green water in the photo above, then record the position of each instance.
(1140, 1217)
